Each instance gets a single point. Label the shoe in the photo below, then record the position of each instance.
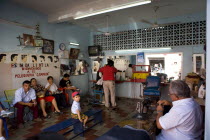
(5, 113)
(85, 127)
(114, 108)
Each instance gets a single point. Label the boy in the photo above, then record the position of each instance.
(76, 110)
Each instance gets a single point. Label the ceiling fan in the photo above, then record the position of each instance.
(156, 24)
(107, 32)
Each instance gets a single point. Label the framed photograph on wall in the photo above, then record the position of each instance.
(74, 53)
(48, 46)
(38, 43)
(28, 40)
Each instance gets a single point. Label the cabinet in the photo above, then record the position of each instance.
(198, 62)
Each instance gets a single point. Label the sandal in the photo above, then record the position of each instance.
(47, 117)
(59, 113)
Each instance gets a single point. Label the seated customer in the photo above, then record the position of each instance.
(184, 120)
(42, 99)
(52, 89)
(65, 84)
(25, 97)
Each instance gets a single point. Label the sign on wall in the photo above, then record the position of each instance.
(15, 68)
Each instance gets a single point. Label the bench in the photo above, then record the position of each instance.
(77, 125)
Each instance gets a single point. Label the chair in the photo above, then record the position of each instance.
(4, 121)
(152, 86)
(10, 95)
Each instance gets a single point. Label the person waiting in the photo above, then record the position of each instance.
(66, 85)
(25, 97)
(52, 89)
(184, 120)
(42, 99)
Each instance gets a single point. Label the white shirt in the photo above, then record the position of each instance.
(75, 106)
(21, 96)
(129, 72)
(53, 87)
(182, 122)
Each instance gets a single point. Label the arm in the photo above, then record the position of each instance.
(159, 114)
(164, 102)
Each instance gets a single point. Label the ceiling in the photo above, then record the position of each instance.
(58, 8)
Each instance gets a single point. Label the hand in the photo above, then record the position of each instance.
(160, 108)
(30, 104)
(80, 120)
(35, 103)
(164, 102)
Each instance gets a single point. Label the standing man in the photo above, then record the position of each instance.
(25, 96)
(108, 72)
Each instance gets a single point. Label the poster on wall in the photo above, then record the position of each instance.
(140, 57)
(20, 67)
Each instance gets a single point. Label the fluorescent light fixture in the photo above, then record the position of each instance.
(71, 43)
(136, 50)
(119, 7)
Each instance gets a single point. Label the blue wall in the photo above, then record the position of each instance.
(60, 33)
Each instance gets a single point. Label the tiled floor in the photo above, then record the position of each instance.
(110, 118)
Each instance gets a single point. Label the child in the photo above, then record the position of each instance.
(76, 110)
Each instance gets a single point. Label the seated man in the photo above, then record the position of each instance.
(65, 84)
(25, 96)
(184, 120)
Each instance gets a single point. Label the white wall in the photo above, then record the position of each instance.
(207, 120)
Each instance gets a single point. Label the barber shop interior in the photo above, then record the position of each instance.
(104, 69)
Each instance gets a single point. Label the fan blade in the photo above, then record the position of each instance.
(93, 28)
(147, 22)
(17, 24)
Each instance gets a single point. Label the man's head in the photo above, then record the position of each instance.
(76, 96)
(66, 76)
(50, 79)
(2, 57)
(110, 63)
(178, 90)
(34, 58)
(14, 57)
(24, 58)
(26, 85)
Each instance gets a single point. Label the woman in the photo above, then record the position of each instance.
(42, 99)
(52, 89)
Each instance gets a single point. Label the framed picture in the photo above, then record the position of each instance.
(48, 46)
(38, 43)
(74, 53)
(28, 40)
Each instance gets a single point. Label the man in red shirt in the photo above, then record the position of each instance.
(108, 72)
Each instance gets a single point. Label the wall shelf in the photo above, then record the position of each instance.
(24, 46)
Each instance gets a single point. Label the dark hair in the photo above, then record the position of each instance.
(32, 79)
(110, 62)
(66, 75)
(1, 56)
(50, 57)
(179, 88)
(49, 77)
(12, 56)
(26, 82)
(34, 56)
(130, 65)
(41, 56)
(47, 136)
(23, 56)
